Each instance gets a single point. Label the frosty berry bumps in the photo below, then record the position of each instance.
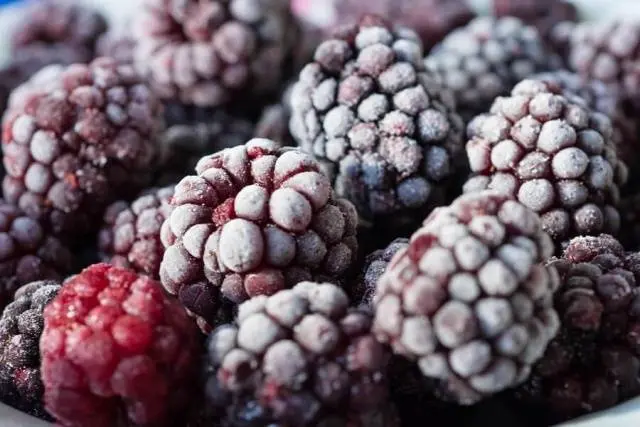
(254, 220)
(384, 130)
(469, 299)
(75, 139)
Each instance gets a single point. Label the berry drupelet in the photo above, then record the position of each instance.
(20, 330)
(54, 24)
(375, 264)
(486, 59)
(210, 53)
(130, 234)
(469, 299)
(594, 362)
(608, 51)
(300, 357)
(554, 155)
(116, 350)
(382, 127)
(254, 220)
(27, 253)
(77, 138)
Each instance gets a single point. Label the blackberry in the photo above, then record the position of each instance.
(545, 15)
(27, 253)
(375, 264)
(130, 235)
(431, 19)
(20, 330)
(382, 127)
(604, 99)
(554, 155)
(608, 51)
(594, 363)
(75, 139)
(470, 300)
(195, 132)
(118, 44)
(486, 58)
(54, 24)
(254, 220)
(300, 357)
(116, 350)
(210, 53)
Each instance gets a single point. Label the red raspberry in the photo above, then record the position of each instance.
(115, 348)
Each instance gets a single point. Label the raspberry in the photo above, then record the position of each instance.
(486, 59)
(470, 300)
(608, 51)
(115, 349)
(20, 330)
(254, 220)
(554, 155)
(545, 15)
(130, 235)
(27, 253)
(53, 24)
(210, 53)
(75, 139)
(195, 132)
(375, 265)
(384, 130)
(117, 44)
(594, 363)
(300, 357)
(431, 19)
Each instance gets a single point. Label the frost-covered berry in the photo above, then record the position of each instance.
(75, 139)
(469, 300)
(130, 233)
(384, 130)
(210, 53)
(486, 59)
(554, 155)
(254, 220)
(300, 357)
(594, 363)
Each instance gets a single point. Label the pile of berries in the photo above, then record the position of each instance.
(226, 214)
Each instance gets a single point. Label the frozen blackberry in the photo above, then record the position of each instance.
(375, 265)
(20, 330)
(130, 234)
(75, 139)
(485, 59)
(52, 24)
(431, 19)
(195, 132)
(116, 350)
(594, 363)
(604, 99)
(554, 155)
(27, 253)
(254, 220)
(545, 15)
(300, 358)
(382, 127)
(608, 51)
(118, 44)
(209, 53)
(470, 299)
